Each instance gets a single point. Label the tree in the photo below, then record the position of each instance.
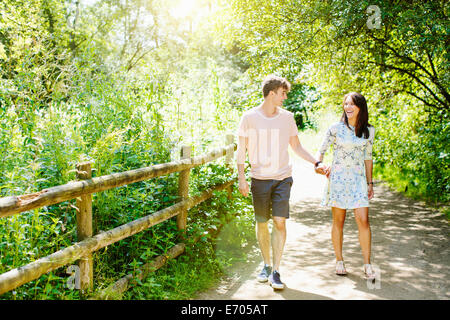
(394, 52)
(408, 53)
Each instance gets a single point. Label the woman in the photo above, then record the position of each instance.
(350, 183)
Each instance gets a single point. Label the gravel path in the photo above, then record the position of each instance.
(410, 248)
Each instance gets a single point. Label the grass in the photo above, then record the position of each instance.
(204, 261)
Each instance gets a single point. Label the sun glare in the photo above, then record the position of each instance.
(191, 13)
(184, 8)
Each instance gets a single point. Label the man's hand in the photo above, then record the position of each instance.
(321, 169)
(243, 187)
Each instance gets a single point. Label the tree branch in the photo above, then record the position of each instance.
(383, 42)
(423, 100)
(415, 78)
(130, 65)
(430, 61)
(432, 77)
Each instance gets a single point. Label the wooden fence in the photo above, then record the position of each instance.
(82, 191)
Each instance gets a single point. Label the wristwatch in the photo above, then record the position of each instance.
(317, 163)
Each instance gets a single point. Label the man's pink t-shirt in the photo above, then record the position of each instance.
(268, 142)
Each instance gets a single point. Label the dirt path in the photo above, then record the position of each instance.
(410, 246)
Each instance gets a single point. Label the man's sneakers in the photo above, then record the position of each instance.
(275, 281)
(273, 277)
(265, 272)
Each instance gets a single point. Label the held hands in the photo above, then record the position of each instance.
(370, 191)
(323, 169)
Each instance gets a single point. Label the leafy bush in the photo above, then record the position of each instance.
(412, 150)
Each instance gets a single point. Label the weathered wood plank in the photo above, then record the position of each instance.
(228, 161)
(16, 204)
(229, 158)
(183, 188)
(84, 228)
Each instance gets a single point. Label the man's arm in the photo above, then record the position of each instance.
(303, 153)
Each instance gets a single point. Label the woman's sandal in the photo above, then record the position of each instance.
(340, 268)
(369, 273)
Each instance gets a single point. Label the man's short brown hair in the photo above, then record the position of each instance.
(272, 83)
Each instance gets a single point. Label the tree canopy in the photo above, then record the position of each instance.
(394, 52)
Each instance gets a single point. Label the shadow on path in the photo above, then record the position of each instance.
(409, 248)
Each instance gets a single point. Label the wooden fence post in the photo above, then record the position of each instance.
(228, 161)
(183, 187)
(84, 228)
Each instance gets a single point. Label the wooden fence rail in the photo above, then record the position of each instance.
(72, 190)
(82, 190)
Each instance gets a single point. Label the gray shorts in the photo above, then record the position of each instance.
(271, 195)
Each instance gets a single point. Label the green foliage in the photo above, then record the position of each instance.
(78, 83)
(210, 248)
(416, 157)
(401, 68)
(333, 45)
(301, 101)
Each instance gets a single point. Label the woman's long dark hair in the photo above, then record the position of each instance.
(362, 122)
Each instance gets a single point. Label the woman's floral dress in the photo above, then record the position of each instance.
(347, 184)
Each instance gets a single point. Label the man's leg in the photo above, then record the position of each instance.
(261, 204)
(263, 236)
(278, 240)
(280, 212)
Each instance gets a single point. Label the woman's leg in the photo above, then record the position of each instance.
(365, 237)
(337, 231)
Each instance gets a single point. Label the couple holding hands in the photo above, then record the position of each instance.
(265, 133)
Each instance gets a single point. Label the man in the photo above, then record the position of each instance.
(266, 132)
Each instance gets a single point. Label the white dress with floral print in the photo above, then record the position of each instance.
(347, 184)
